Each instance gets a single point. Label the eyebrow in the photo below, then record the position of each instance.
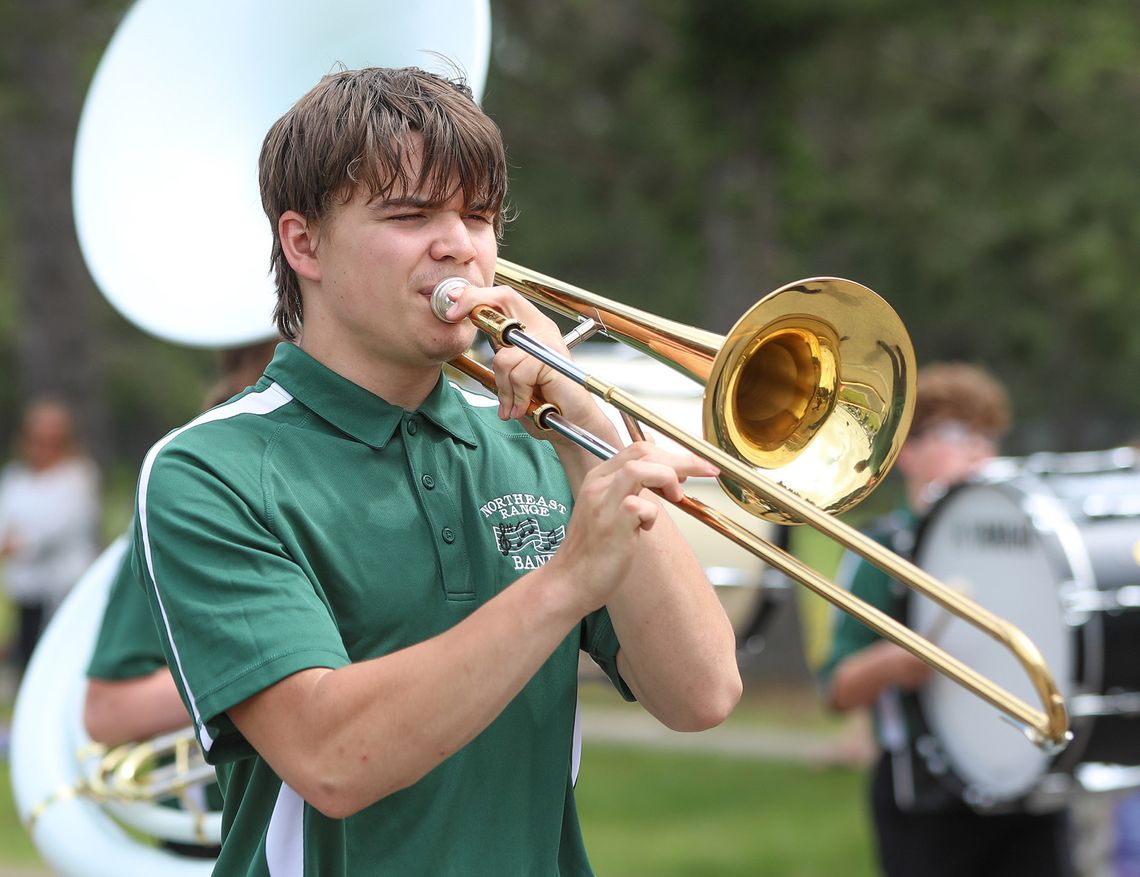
(381, 203)
(416, 202)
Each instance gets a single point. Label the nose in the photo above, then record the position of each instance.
(452, 239)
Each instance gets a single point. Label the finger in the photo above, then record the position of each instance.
(504, 299)
(501, 298)
(685, 463)
(641, 511)
(516, 375)
(444, 297)
(681, 466)
(463, 298)
(638, 475)
(457, 312)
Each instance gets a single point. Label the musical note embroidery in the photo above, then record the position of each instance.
(513, 538)
(527, 536)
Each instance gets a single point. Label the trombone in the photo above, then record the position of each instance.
(785, 392)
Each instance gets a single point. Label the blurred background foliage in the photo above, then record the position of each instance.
(972, 162)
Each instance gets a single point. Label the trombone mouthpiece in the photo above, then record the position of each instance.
(442, 297)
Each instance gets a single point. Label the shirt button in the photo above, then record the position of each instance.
(428, 482)
(412, 426)
(448, 535)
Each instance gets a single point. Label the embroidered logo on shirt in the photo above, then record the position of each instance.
(513, 538)
(520, 534)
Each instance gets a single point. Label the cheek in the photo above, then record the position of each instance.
(955, 464)
(468, 333)
(925, 462)
(487, 254)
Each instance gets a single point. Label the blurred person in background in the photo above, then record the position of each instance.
(240, 368)
(1124, 820)
(922, 826)
(50, 515)
(1126, 836)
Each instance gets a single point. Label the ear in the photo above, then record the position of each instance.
(299, 244)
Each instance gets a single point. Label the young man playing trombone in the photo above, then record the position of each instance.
(384, 689)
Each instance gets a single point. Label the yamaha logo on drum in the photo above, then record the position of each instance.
(993, 535)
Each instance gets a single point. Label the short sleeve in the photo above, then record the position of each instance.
(600, 641)
(127, 645)
(235, 612)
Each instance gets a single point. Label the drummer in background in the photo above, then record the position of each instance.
(922, 826)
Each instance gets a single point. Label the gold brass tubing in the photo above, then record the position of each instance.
(691, 351)
(134, 772)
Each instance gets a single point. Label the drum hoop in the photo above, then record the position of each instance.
(1073, 552)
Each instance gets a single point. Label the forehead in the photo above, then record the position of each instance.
(47, 421)
(407, 169)
(405, 175)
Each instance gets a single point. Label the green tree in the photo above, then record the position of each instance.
(972, 163)
(975, 164)
(57, 334)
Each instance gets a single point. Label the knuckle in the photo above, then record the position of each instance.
(642, 449)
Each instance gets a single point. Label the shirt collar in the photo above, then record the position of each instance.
(358, 412)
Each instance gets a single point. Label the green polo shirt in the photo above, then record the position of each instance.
(127, 645)
(308, 523)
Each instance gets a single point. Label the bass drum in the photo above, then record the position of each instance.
(1051, 543)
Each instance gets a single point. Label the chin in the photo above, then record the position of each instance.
(452, 346)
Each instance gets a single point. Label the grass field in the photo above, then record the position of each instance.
(655, 814)
(15, 846)
(651, 812)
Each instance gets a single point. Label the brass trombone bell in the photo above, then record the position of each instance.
(803, 420)
(822, 412)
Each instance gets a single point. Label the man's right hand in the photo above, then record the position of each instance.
(612, 507)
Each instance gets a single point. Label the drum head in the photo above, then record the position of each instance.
(998, 543)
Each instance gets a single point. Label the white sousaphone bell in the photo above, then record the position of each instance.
(169, 220)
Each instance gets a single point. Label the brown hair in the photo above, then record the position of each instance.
(958, 391)
(351, 131)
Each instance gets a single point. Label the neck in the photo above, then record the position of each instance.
(404, 390)
(403, 386)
